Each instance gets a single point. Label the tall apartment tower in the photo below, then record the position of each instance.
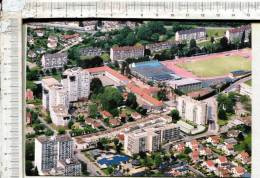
(55, 154)
(45, 154)
(77, 83)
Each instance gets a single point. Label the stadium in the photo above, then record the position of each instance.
(152, 70)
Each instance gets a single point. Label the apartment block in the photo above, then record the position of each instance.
(54, 156)
(77, 83)
(51, 61)
(192, 110)
(237, 33)
(187, 35)
(122, 53)
(149, 139)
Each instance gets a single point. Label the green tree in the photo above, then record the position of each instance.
(161, 95)
(222, 114)
(49, 132)
(224, 43)
(131, 100)
(92, 110)
(193, 44)
(175, 115)
(29, 150)
(28, 168)
(110, 99)
(155, 37)
(70, 124)
(33, 73)
(61, 130)
(96, 86)
(187, 150)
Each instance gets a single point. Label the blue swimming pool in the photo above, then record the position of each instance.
(115, 160)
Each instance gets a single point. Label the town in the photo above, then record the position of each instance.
(138, 98)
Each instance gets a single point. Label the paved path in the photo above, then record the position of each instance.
(47, 125)
(92, 168)
(196, 171)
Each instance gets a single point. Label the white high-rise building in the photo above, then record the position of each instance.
(59, 115)
(150, 138)
(45, 154)
(47, 83)
(192, 110)
(55, 154)
(77, 83)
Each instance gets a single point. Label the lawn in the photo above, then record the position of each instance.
(216, 32)
(249, 82)
(217, 66)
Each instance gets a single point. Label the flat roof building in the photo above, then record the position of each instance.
(185, 85)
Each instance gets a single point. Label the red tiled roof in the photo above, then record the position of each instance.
(239, 170)
(29, 94)
(240, 29)
(195, 155)
(230, 146)
(106, 114)
(215, 139)
(223, 159)
(210, 163)
(114, 122)
(144, 95)
(121, 137)
(133, 88)
(244, 155)
(66, 37)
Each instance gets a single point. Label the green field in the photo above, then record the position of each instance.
(216, 32)
(217, 66)
(249, 82)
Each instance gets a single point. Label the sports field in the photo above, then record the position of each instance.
(219, 66)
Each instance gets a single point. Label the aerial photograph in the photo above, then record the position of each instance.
(138, 98)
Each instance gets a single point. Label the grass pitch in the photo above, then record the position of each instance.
(217, 66)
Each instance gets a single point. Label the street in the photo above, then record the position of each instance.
(92, 168)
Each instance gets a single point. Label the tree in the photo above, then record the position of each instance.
(243, 39)
(175, 115)
(61, 130)
(96, 86)
(110, 99)
(155, 37)
(222, 114)
(49, 132)
(28, 168)
(212, 39)
(33, 73)
(161, 95)
(36, 172)
(123, 67)
(131, 100)
(74, 54)
(193, 44)
(92, 110)
(81, 118)
(224, 43)
(29, 151)
(187, 150)
(70, 124)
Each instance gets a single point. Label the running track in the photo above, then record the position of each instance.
(171, 64)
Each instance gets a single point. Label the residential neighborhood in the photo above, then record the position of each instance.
(138, 98)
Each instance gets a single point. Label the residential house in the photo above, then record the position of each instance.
(209, 165)
(238, 171)
(114, 122)
(221, 160)
(193, 145)
(238, 33)
(52, 41)
(243, 157)
(214, 140)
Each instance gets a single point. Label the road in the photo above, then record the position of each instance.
(187, 139)
(92, 168)
(111, 132)
(234, 85)
(196, 171)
